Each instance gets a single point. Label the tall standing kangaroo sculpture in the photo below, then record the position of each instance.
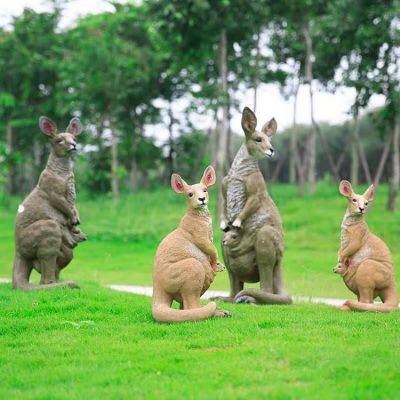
(46, 225)
(186, 260)
(248, 208)
(365, 263)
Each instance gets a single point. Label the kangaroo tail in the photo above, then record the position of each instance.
(164, 313)
(375, 307)
(263, 297)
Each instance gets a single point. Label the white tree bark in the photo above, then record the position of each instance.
(293, 140)
(395, 179)
(222, 148)
(114, 166)
(312, 139)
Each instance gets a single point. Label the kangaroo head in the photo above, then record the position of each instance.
(342, 268)
(258, 143)
(63, 144)
(232, 237)
(358, 203)
(197, 194)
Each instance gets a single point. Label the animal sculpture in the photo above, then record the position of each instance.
(251, 213)
(46, 228)
(186, 260)
(364, 260)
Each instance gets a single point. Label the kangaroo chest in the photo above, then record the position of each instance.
(344, 237)
(236, 195)
(71, 193)
(365, 251)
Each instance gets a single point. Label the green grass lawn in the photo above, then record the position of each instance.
(96, 343)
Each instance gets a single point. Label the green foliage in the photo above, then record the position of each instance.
(110, 68)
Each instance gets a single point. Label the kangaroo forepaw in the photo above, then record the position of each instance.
(222, 313)
(344, 307)
(245, 299)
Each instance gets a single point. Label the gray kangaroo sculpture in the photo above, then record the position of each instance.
(253, 240)
(46, 228)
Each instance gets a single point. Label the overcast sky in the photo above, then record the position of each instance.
(331, 108)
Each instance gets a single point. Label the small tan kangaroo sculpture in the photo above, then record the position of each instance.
(365, 263)
(46, 225)
(186, 260)
(251, 213)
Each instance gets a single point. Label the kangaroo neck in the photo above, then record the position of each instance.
(349, 219)
(61, 166)
(201, 213)
(243, 164)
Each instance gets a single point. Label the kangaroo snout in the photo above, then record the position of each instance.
(270, 152)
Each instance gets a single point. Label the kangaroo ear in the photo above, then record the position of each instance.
(345, 188)
(47, 126)
(249, 121)
(208, 177)
(74, 126)
(270, 127)
(178, 184)
(370, 193)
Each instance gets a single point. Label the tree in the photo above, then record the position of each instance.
(29, 57)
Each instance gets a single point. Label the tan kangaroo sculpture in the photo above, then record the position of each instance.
(251, 214)
(365, 263)
(46, 225)
(186, 260)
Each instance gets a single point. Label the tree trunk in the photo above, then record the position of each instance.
(325, 146)
(382, 161)
(133, 172)
(222, 149)
(12, 173)
(364, 162)
(256, 73)
(114, 166)
(277, 169)
(355, 163)
(170, 159)
(293, 140)
(37, 153)
(312, 142)
(200, 156)
(395, 179)
(229, 145)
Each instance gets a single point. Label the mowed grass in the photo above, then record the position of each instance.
(123, 240)
(99, 344)
(96, 343)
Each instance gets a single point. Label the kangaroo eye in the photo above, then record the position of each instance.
(234, 237)
(366, 203)
(354, 200)
(259, 140)
(205, 190)
(190, 194)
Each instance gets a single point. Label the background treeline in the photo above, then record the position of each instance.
(125, 70)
